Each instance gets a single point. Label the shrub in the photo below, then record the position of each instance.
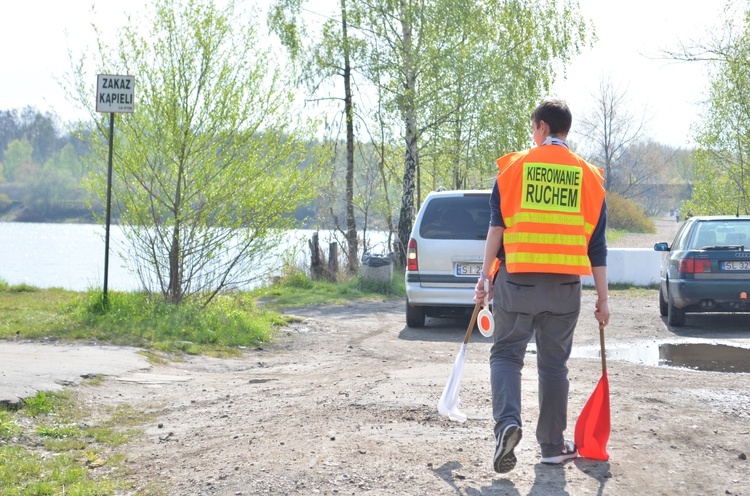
(5, 202)
(624, 214)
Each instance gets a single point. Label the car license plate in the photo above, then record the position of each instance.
(735, 265)
(468, 269)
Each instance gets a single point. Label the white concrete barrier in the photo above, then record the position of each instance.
(636, 266)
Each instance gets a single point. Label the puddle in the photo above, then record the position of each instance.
(698, 356)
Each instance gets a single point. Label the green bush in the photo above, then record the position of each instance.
(147, 320)
(624, 214)
(5, 202)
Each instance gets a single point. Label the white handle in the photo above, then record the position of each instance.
(486, 293)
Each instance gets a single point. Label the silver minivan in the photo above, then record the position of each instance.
(445, 254)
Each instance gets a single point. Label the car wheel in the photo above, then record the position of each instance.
(414, 315)
(663, 310)
(675, 316)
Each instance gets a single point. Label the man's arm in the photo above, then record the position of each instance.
(601, 311)
(491, 248)
(598, 258)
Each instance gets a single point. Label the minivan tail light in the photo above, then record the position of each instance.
(694, 266)
(411, 255)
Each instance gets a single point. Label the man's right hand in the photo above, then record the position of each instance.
(479, 292)
(601, 311)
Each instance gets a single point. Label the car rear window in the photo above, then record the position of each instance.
(456, 217)
(721, 233)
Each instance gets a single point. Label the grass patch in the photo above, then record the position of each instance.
(34, 313)
(53, 445)
(43, 403)
(8, 425)
(137, 319)
(294, 288)
(615, 235)
(231, 322)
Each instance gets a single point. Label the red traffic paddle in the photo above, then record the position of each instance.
(593, 425)
(485, 320)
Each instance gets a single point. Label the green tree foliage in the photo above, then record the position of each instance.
(67, 159)
(38, 128)
(207, 170)
(499, 59)
(461, 78)
(50, 190)
(8, 127)
(16, 156)
(41, 131)
(454, 83)
(722, 172)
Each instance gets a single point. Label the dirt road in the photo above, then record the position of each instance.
(345, 403)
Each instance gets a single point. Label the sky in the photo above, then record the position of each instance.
(668, 95)
(37, 35)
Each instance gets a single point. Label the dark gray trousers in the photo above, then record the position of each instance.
(546, 307)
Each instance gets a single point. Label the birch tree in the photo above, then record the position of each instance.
(334, 55)
(463, 75)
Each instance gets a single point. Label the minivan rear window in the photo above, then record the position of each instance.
(456, 217)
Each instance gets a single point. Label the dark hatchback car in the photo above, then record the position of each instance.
(707, 268)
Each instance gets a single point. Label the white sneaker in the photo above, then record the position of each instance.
(569, 451)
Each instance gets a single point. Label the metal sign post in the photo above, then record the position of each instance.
(114, 94)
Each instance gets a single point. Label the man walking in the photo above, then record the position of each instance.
(547, 226)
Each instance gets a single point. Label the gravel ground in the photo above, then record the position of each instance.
(345, 403)
(666, 228)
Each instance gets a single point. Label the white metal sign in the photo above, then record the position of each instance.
(114, 94)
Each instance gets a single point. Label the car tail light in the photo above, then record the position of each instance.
(694, 266)
(411, 255)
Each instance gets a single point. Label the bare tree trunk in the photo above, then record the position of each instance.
(351, 225)
(175, 251)
(333, 261)
(316, 260)
(175, 286)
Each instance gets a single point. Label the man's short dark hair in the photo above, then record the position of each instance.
(556, 114)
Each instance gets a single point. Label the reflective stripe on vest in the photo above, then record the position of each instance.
(551, 200)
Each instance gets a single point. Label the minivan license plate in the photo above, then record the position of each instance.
(735, 265)
(468, 269)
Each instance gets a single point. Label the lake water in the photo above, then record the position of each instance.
(71, 256)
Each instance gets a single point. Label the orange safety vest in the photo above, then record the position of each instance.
(551, 200)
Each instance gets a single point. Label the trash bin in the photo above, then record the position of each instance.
(377, 267)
